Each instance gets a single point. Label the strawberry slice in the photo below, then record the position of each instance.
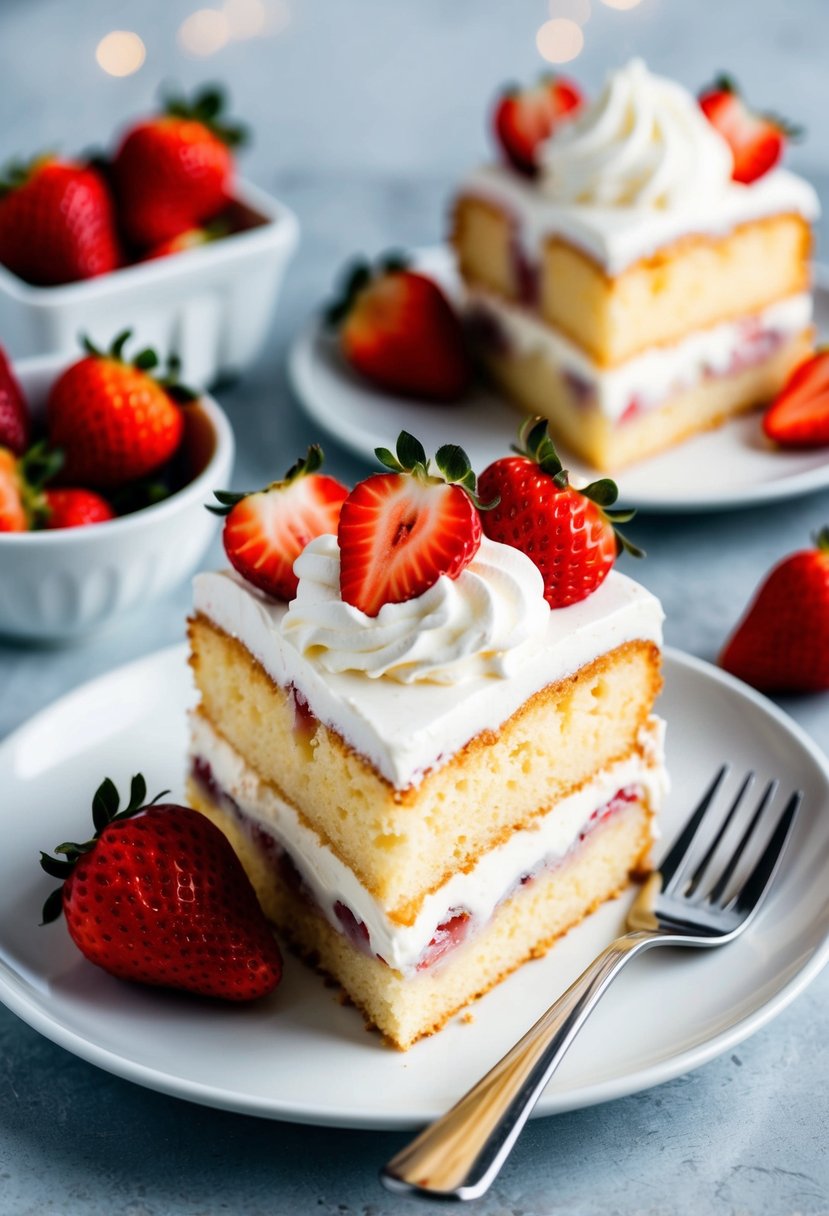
(525, 118)
(400, 531)
(756, 140)
(799, 415)
(398, 329)
(266, 531)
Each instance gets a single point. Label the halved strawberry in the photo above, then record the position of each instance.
(756, 140)
(265, 531)
(524, 118)
(400, 531)
(399, 330)
(799, 415)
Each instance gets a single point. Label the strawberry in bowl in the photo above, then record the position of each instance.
(146, 237)
(104, 510)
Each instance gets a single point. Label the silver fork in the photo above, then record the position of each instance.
(705, 893)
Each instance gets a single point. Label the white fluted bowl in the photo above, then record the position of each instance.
(61, 584)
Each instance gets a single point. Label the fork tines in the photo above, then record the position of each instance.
(690, 859)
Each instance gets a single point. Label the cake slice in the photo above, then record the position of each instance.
(426, 797)
(631, 291)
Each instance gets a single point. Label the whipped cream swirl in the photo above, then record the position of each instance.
(643, 143)
(474, 625)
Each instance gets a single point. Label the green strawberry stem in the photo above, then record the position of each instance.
(207, 107)
(310, 463)
(145, 361)
(357, 275)
(535, 442)
(452, 463)
(822, 539)
(105, 810)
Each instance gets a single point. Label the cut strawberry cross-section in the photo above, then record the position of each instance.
(400, 531)
(265, 531)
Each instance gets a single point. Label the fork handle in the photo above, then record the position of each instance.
(460, 1154)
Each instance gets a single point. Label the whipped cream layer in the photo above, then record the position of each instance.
(477, 891)
(643, 143)
(405, 730)
(618, 237)
(476, 625)
(646, 380)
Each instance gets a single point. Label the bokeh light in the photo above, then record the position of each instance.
(621, 3)
(571, 10)
(120, 53)
(559, 40)
(204, 32)
(245, 18)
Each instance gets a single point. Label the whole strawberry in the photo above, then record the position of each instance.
(15, 424)
(174, 171)
(57, 223)
(397, 328)
(157, 895)
(113, 421)
(400, 531)
(74, 508)
(782, 642)
(266, 531)
(756, 140)
(568, 533)
(525, 118)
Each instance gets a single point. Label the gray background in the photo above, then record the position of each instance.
(364, 113)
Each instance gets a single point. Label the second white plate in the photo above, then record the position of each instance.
(299, 1054)
(740, 468)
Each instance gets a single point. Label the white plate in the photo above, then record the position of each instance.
(299, 1054)
(739, 468)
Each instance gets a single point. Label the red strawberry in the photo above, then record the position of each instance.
(400, 531)
(56, 223)
(158, 895)
(398, 329)
(75, 508)
(13, 517)
(113, 421)
(175, 171)
(568, 533)
(756, 140)
(266, 531)
(799, 415)
(15, 424)
(525, 118)
(22, 478)
(782, 642)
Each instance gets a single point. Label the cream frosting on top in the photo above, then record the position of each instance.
(475, 625)
(407, 730)
(643, 143)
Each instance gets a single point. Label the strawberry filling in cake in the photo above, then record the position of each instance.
(439, 753)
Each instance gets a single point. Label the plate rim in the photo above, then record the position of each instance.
(300, 362)
(16, 993)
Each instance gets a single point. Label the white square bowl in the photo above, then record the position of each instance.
(55, 585)
(210, 305)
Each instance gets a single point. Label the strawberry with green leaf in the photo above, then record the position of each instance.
(158, 896)
(400, 531)
(569, 533)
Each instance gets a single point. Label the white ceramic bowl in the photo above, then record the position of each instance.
(61, 584)
(210, 305)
